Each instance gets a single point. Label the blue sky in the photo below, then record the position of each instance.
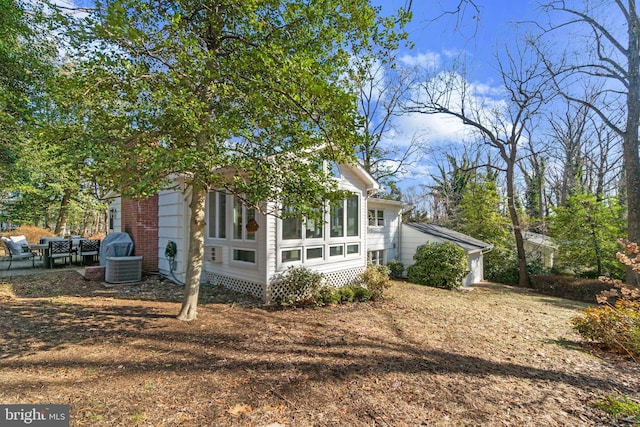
(474, 35)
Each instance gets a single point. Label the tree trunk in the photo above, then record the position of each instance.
(523, 273)
(189, 310)
(61, 224)
(630, 143)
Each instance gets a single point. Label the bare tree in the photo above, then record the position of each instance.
(501, 123)
(381, 89)
(612, 29)
(533, 169)
(566, 141)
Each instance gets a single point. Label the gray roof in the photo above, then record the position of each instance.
(468, 243)
(539, 239)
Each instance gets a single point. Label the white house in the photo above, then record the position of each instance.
(415, 234)
(248, 251)
(251, 259)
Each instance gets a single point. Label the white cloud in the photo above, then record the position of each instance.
(71, 8)
(429, 60)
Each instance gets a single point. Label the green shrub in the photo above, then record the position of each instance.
(303, 286)
(361, 294)
(617, 327)
(569, 287)
(327, 295)
(396, 268)
(442, 265)
(352, 293)
(346, 294)
(376, 279)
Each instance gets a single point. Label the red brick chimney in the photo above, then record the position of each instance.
(140, 219)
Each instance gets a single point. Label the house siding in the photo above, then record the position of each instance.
(387, 237)
(172, 226)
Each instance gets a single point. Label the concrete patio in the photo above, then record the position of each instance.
(24, 268)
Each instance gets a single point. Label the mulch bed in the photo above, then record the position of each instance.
(495, 356)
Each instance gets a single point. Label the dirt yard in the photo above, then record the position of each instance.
(492, 356)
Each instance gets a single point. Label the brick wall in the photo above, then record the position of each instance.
(140, 220)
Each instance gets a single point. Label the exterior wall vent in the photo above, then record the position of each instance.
(216, 254)
(123, 269)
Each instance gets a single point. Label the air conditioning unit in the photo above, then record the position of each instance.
(216, 254)
(123, 269)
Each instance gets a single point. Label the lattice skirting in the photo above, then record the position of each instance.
(336, 279)
(242, 286)
(342, 278)
(276, 290)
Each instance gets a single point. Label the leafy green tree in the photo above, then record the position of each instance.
(441, 265)
(607, 57)
(479, 210)
(26, 59)
(480, 217)
(587, 230)
(241, 95)
(449, 188)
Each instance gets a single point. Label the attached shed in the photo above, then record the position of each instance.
(416, 234)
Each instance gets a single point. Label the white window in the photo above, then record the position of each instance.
(376, 218)
(376, 257)
(244, 255)
(241, 217)
(337, 250)
(291, 255)
(315, 253)
(291, 227)
(313, 226)
(345, 212)
(217, 220)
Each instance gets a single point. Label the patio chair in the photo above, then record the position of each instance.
(89, 248)
(59, 249)
(22, 241)
(14, 252)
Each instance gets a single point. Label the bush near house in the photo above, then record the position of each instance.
(376, 279)
(396, 268)
(306, 288)
(441, 265)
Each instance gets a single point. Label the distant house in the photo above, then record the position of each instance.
(539, 246)
(418, 234)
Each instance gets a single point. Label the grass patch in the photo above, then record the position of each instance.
(617, 405)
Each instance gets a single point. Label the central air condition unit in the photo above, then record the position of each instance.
(123, 269)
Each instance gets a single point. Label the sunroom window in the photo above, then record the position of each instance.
(217, 219)
(345, 212)
(291, 227)
(241, 216)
